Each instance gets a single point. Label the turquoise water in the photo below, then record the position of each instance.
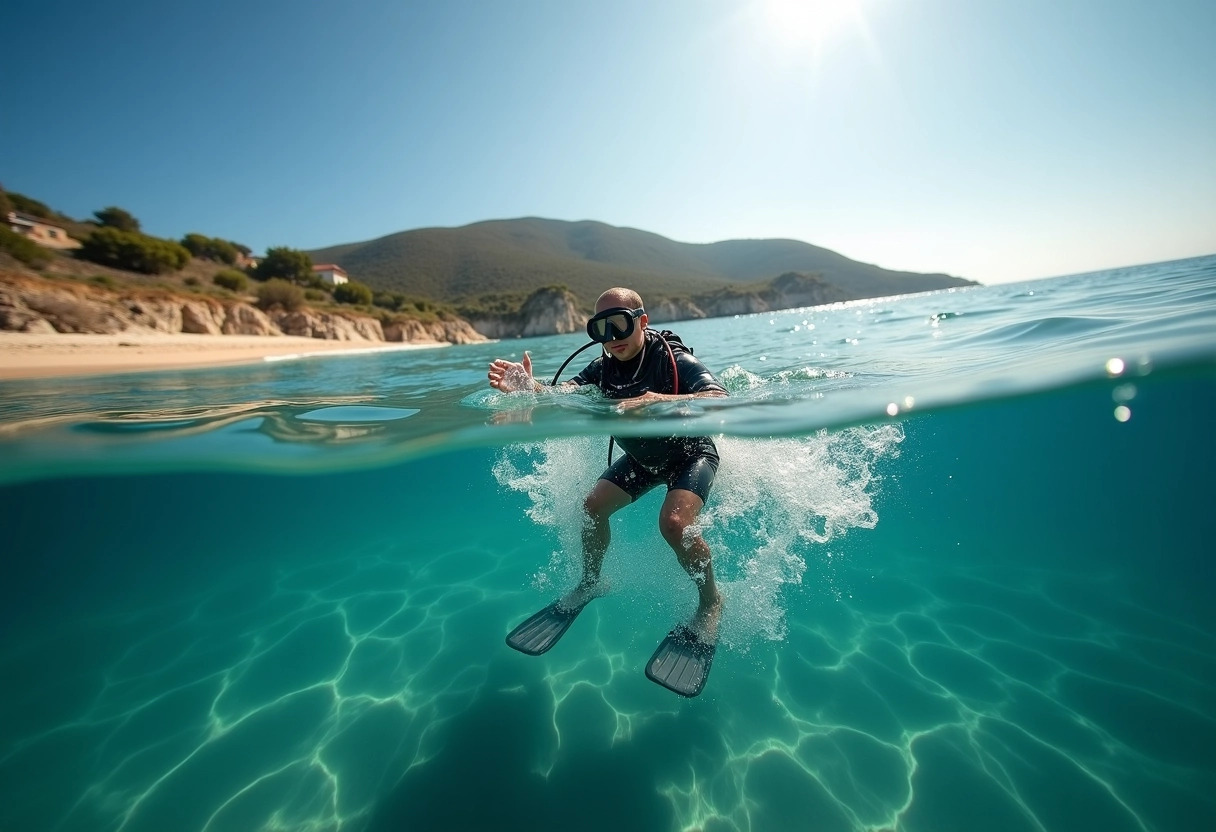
(965, 538)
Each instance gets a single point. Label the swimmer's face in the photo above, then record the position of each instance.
(623, 349)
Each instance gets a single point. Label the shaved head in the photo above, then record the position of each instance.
(618, 297)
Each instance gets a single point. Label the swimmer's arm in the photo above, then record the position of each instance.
(675, 397)
(650, 396)
(516, 376)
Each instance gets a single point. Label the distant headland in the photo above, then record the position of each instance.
(494, 279)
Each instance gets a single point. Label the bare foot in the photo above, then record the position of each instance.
(583, 593)
(705, 620)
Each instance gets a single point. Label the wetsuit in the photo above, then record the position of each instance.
(688, 462)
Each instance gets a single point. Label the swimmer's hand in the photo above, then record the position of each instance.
(513, 376)
(649, 397)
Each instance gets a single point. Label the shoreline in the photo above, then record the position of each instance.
(34, 356)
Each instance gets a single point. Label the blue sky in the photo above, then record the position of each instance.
(997, 141)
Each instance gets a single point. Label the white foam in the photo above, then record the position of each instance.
(556, 475)
(776, 503)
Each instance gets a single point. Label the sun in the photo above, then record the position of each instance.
(810, 23)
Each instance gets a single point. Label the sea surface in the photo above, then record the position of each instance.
(966, 540)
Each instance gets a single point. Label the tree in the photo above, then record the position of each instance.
(6, 205)
(286, 263)
(115, 217)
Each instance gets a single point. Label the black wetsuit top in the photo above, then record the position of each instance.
(651, 371)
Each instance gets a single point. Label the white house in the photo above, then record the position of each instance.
(331, 274)
(40, 231)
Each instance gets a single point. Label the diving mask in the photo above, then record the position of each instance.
(613, 324)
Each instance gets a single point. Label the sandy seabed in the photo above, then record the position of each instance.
(24, 355)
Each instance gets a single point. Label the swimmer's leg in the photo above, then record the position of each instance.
(677, 521)
(605, 499)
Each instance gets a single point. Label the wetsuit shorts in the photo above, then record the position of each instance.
(692, 473)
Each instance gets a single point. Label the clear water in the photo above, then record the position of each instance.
(966, 540)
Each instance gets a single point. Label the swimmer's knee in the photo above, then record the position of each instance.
(672, 527)
(596, 509)
(603, 501)
(592, 507)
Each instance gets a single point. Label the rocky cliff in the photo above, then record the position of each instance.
(548, 311)
(553, 311)
(34, 304)
(789, 291)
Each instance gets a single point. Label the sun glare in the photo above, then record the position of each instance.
(810, 23)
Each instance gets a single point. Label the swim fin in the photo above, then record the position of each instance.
(682, 662)
(543, 629)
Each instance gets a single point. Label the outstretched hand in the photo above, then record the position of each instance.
(512, 376)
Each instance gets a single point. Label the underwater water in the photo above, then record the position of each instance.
(965, 537)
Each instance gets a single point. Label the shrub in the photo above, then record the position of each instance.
(353, 293)
(389, 300)
(23, 248)
(104, 280)
(231, 279)
(210, 248)
(133, 251)
(315, 294)
(280, 293)
(191, 281)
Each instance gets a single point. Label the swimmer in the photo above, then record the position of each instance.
(637, 366)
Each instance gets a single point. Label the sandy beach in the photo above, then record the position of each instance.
(24, 355)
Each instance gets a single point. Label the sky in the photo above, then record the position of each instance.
(996, 141)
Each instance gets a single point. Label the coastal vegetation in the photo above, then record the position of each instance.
(133, 251)
(284, 263)
(498, 275)
(114, 240)
(213, 248)
(22, 249)
(281, 293)
(353, 293)
(231, 279)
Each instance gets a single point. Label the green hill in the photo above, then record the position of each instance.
(515, 257)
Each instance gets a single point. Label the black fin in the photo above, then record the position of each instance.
(682, 662)
(543, 629)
